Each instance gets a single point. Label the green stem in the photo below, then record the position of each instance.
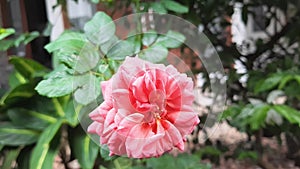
(96, 74)
(58, 107)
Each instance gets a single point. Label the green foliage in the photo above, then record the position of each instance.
(59, 84)
(18, 93)
(6, 32)
(88, 58)
(100, 29)
(181, 161)
(171, 39)
(10, 156)
(84, 148)
(155, 53)
(28, 68)
(184, 161)
(166, 5)
(85, 58)
(157, 46)
(253, 117)
(30, 119)
(174, 6)
(69, 43)
(13, 135)
(120, 50)
(269, 83)
(104, 152)
(248, 155)
(292, 115)
(24, 38)
(46, 148)
(277, 79)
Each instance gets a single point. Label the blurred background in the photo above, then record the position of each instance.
(257, 42)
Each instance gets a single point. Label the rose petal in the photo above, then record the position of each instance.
(147, 110)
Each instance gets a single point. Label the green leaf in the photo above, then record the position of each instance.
(22, 91)
(171, 39)
(105, 47)
(136, 43)
(16, 79)
(297, 78)
(187, 161)
(19, 40)
(292, 115)
(84, 149)
(30, 119)
(56, 63)
(114, 64)
(71, 113)
(158, 7)
(28, 68)
(15, 135)
(104, 152)
(230, 112)
(48, 29)
(89, 91)
(149, 38)
(209, 150)
(10, 157)
(24, 157)
(285, 80)
(40, 104)
(274, 118)
(59, 84)
(58, 107)
(122, 163)
(100, 29)
(6, 44)
(42, 152)
(120, 50)
(87, 59)
(30, 36)
(6, 32)
(154, 53)
(268, 83)
(248, 154)
(68, 43)
(183, 161)
(52, 151)
(258, 117)
(175, 6)
(25, 38)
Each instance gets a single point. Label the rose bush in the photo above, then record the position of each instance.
(147, 110)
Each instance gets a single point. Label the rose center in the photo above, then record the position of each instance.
(157, 99)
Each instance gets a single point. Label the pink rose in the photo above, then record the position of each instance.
(147, 110)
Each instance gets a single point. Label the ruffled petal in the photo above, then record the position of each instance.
(147, 110)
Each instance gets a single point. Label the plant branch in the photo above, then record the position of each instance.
(270, 44)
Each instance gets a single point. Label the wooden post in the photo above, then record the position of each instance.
(6, 18)
(28, 52)
(5, 13)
